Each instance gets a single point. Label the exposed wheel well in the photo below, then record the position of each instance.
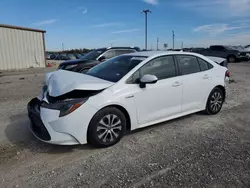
(124, 111)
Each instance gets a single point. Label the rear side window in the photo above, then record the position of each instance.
(204, 65)
(125, 51)
(187, 64)
(109, 54)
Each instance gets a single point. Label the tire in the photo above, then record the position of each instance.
(100, 132)
(215, 101)
(231, 59)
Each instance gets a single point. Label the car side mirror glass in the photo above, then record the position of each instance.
(147, 79)
(102, 58)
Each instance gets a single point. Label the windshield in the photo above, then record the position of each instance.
(114, 69)
(92, 55)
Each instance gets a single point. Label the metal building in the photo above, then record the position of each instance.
(21, 47)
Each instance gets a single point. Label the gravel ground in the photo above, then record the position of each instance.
(193, 151)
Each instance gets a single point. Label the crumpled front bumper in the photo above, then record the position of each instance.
(47, 126)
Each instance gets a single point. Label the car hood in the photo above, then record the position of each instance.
(61, 82)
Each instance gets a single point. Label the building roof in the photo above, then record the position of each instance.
(22, 28)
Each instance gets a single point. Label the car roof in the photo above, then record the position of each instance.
(159, 53)
(120, 47)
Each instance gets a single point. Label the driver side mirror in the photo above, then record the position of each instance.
(102, 58)
(147, 79)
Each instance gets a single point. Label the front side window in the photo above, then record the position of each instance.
(187, 64)
(162, 68)
(114, 69)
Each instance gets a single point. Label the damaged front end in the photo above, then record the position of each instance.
(66, 91)
(68, 102)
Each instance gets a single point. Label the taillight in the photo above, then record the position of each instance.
(227, 74)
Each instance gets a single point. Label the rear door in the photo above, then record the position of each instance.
(196, 77)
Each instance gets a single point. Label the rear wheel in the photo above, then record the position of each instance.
(215, 101)
(107, 127)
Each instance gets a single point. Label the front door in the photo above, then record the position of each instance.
(162, 99)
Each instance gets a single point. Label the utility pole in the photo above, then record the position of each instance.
(146, 11)
(181, 45)
(62, 47)
(157, 44)
(173, 39)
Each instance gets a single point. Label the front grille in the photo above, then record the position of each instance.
(37, 125)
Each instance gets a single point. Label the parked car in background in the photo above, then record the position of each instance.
(71, 56)
(48, 56)
(61, 57)
(53, 56)
(230, 53)
(125, 93)
(93, 58)
(78, 56)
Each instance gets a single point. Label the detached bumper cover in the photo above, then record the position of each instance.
(37, 125)
(47, 126)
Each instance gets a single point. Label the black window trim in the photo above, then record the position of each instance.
(177, 69)
(175, 64)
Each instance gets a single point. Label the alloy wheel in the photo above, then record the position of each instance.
(109, 128)
(216, 102)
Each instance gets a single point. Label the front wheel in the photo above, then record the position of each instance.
(107, 127)
(215, 101)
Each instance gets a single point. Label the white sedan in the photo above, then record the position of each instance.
(125, 93)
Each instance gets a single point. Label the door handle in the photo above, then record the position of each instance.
(176, 84)
(206, 77)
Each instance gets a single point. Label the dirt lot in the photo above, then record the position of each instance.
(194, 151)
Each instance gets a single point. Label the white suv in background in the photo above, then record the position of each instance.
(125, 93)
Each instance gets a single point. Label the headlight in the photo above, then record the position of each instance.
(70, 66)
(65, 107)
